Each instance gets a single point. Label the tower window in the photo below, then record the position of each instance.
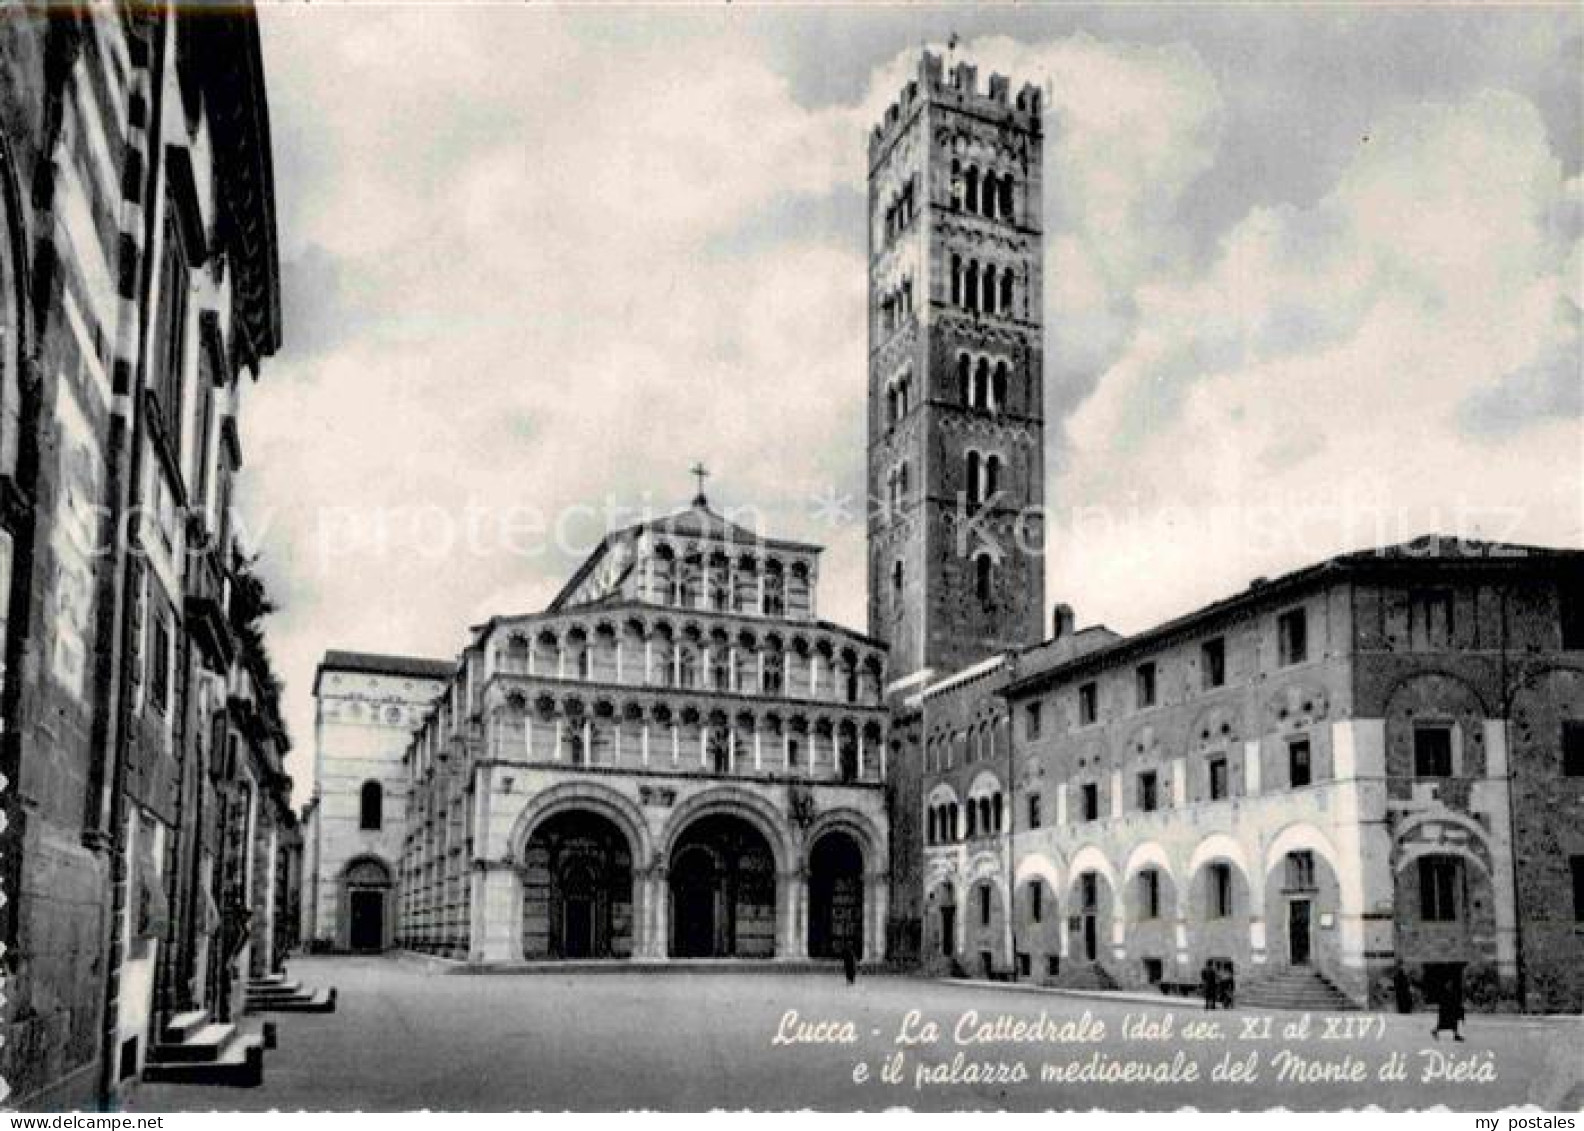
(988, 197)
(1006, 291)
(971, 201)
(981, 384)
(984, 905)
(972, 474)
(998, 387)
(1006, 208)
(1037, 902)
(1031, 713)
(1034, 814)
(956, 280)
(1091, 801)
(990, 291)
(371, 807)
(965, 380)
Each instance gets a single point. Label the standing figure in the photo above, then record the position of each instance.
(1449, 1007)
(1207, 984)
(850, 966)
(1402, 990)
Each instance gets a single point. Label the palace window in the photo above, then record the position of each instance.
(1037, 902)
(1430, 618)
(1440, 877)
(1091, 801)
(1149, 791)
(1034, 815)
(1089, 891)
(1212, 662)
(984, 577)
(984, 905)
(1031, 716)
(1433, 751)
(1144, 685)
(1573, 748)
(371, 807)
(1220, 890)
(1149, 894)
(1292, 636)
(1088, 704)
(1576, 865)
(1299, 770)
(1571, 599)
(1218, 779)
(159, 666)
(1300, 871)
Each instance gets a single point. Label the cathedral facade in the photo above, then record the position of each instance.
(676, 759)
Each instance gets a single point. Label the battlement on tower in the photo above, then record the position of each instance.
(958, 88)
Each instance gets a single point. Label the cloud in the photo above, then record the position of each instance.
(1335, 373)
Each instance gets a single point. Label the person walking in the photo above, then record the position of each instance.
(1207, 984)
(1402, 989)
(1449, 1007)
(850, 965)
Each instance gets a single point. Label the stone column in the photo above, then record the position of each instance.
(758, 759)
(1497, 755)
(618, 659)
(878, 901)
(657, 914)
(793, 921)
(497, 923)
(645, 741)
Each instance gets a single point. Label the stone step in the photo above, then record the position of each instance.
(1295, 990)
(207, 1043)
(183, 1025)
(240, 1064)
(274, 989)
(318, 1001)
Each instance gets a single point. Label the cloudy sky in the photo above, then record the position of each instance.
(1313, 282)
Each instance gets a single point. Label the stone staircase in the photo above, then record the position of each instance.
(194, 1049)
(1294, 989)
(274, 993)
(1086, 976)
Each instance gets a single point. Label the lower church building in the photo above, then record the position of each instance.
(676, 759)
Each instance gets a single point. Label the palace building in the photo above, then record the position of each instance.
(677, 758)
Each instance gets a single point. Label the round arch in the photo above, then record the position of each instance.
(1146, 855)
(733, 801)
(855, 825)
(364, 899)
(1302, 836)
(591, 796)
(1089, 858)
(1037, 865)
(1219, 846)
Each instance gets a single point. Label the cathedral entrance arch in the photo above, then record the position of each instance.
(836, 896)
(577, 888)
(365, 889)
(723, 890)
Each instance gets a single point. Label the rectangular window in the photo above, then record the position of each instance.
(1088, 892)
(1438, 886)
(159, 665)
(984, 905)
(1144, 685)
(1292, 637)
(1218, 779)
(1571, 595)
(1023, 964)
(1433, 752)
(1299, 769)
(1032, 720)
(1573, 748)
(1220, 879)
(1300, 871)
(1212, 662)
(172, 330)
(1149, 894)
(1430, 618)
(1034, 814)
(1052, 965)
(1148, 791)
(1576, 863)
(1088, 704)
(1091, 801)
(1037, 902)
(1154, 970)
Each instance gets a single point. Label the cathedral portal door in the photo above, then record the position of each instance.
(696, 898)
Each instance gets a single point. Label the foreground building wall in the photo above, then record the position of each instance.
(140, 291)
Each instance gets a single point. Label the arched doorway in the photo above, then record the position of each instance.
(723, 891)
(836, 897)
(366, 890)
(577, 889)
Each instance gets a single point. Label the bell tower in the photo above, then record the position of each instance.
(956, 371)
